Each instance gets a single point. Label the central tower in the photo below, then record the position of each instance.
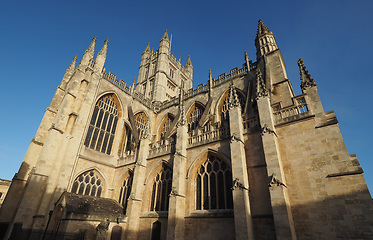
(161, 75)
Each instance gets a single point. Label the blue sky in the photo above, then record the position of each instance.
(40, 38)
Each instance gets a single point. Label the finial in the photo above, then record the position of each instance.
(233, 98)
(246, 57)
(210, 74)
(306, 80)
(261, 87)
(134, 83)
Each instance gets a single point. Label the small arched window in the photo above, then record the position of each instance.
(224, 109)
(214, 183)
(165, 126)
(161, 190)
(89, 184)
(141, 122)
(125, 192)
(194, 116)
(101, 131)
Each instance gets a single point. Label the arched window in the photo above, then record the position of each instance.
(214, 183)
(165, 126)
(194, 116)
(125, 192)
(101, 131)
(161, 189)
(141, 122)
(88, 183)
(224, 108)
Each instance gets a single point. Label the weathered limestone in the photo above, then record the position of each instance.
(240, 157)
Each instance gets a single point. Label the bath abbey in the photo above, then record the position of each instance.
(237, 157)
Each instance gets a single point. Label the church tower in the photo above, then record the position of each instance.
(161, 75)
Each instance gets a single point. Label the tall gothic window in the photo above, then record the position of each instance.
(88, 183)
(125, 192)
(214, 183)
(194, 116)
(141, 121)
(103, 124)
(161, 189)
(224, 112)
(165, 126)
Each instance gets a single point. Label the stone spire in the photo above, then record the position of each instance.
(210, 83)
(262, 29)
(306, 80)
(147, 49)
(165, 36)
(189, 62)
(101, 57)
(89, 53)
(247, 61)
(164, 44)
(72, 65)
(265, 41)
(103, 50)
(233, 98)
(261, 90)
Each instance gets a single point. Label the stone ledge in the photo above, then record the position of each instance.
(224, 213)
(360, 171)
(154, 214)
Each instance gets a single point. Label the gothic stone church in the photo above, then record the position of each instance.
(240, 157)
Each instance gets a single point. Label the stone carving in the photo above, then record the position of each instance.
(307, 81)
(261, 87)
(235, 138)
(102, 229)
(175, 193)
(237, 184)
(233, 98)
(273, 180)
(182, 120)
(266, 129)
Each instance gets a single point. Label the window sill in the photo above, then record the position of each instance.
(219, 213)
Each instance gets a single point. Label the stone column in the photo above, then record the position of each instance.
(241, 201)
(136, 198)
(176, 209)
(279, 197)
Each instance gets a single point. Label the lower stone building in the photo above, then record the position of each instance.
(240, 157)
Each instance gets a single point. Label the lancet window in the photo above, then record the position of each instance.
(214, 183)
(101, 131)
(141, 122)
(161, 190)
(125, 191)
(224, 113)
(165, 126)
(194, 116)
(89, 184)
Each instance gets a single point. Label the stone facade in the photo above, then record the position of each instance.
(4, 187)
(240, 157)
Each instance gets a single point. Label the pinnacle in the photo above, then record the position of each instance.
(306, 80)
(147, 49)
(262, 28)
(189, 62)
(165, 35)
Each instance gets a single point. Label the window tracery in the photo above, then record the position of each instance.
(140, 122)
(194, 116)
(224, 113)
(125, 191)
(214, 183)
(166, 124)
(101, 131)
(161, 190)
(89, 184)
